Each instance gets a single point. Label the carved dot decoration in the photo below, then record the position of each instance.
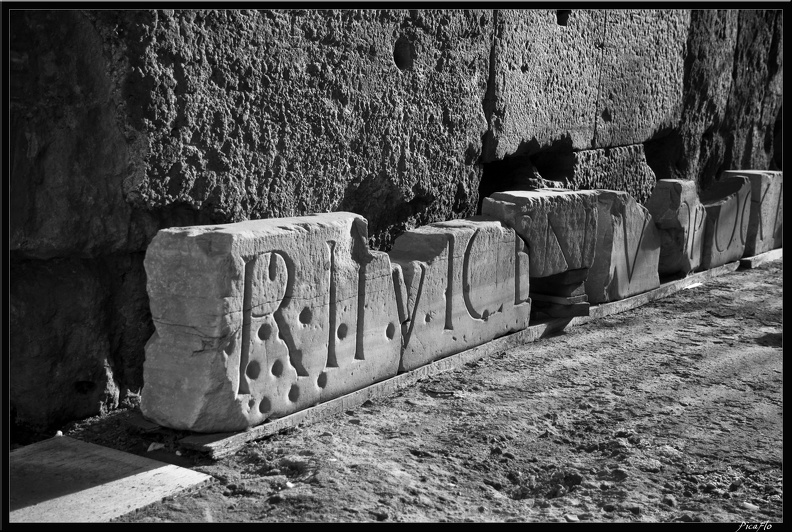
(253, 370)
(322, 380)
(264, 332)
(428, 318)
(306, 316)
(294, 393)
(265, 405)
(277, 368)
(390, 331)
(342, 331)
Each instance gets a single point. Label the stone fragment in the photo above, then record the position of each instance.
(628, 249)
(260, 319)
(466, 283)
(728, 204)
(558, 226)
(680, 217)
(621, 168)
(765, 225)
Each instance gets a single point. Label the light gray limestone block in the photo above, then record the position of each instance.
(728, 204)
(558, 226)
(766, 223)
(263, 318)
(466, 283)
(628, 249)
(680, 217)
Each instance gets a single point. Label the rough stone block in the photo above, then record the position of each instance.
(765, 225)
(628, 249)
(680, 217)
(559, 226)
(260, 319)
(529, 47)
(641, 79)
(466, 282)
(728, 205)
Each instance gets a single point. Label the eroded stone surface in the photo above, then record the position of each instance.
(628, 249)
(680, 216)
(728, 205)
(263, 318)
(559, 226)
(765, 224)
(466, 282)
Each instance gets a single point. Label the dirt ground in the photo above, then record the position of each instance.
(670, 412)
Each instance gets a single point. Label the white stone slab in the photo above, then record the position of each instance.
(558, 226)
(70, 481)
(765, 224)
(628, 249)
(680, 217)
(260, 319)
(728, 205)
(466, 283)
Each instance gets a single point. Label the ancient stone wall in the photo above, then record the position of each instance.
(127, 122)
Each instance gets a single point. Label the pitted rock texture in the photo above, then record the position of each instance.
(641, 79)
(766, 223)
(728, 205)
(263, 318)
(622, 168)
(466, 281)
(733, 89)
(271, 113)
(628, 249)
(680, 217)
(543, 90)
(126, 122)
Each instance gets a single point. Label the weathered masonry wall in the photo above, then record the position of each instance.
(127, 122)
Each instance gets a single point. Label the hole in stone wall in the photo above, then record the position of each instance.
(664, 154)
(84, 387)
(322, 380)
(403, 53)
(277, 368)
(528, 171)
(562, 16)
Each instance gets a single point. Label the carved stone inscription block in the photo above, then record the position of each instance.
(559, 226)
(728, 204)
(680, 217)
(261, 319)
(466, 283)
(628, 249)
(765, 224)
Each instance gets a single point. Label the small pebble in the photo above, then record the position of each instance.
(571, 518)
(749, 506)
(669, 500)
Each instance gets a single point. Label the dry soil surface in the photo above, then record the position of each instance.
(670, 412)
